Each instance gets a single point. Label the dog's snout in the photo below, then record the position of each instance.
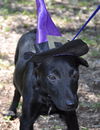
(70, 104)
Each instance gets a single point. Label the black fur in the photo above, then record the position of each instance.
(47, 79)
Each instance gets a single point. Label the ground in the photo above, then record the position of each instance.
(18, 18)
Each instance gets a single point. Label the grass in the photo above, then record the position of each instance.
(30, 14)
(58, 127)
(95, 53)
(88, 40)
(87, 2)
(7, 118)
(84, 128)
(63, 20)
(25, 2)
(8, 9)
(60, 6)
(83, 3)
(94, 106)
(22, 2)
(7, 29)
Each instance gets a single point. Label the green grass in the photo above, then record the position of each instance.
(84, 128)
(88, 40)
(62, 6)
(7, 118)
(7, 29)
(83, 3)
(87, 3)
(25, 2)
(6, 9)
(67, 19)
(58, 127)
(95, 53)
(30, 14)
(22, 2)
(93, 106)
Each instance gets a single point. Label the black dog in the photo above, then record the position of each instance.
(47, 80)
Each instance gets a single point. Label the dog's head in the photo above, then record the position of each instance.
(57, 73)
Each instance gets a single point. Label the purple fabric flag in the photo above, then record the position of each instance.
(45, 24)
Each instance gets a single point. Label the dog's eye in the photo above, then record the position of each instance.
(51, 77)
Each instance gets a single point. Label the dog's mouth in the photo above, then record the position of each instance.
(63, 106)
(72, 108)
(50, 102)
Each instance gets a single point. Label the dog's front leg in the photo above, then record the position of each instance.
(29, 106)
(30, 112)
(70, 118)
(25, 121)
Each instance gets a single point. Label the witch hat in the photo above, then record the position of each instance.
(45, 24)
(47, 27)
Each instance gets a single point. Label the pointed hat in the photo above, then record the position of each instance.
(45, 24)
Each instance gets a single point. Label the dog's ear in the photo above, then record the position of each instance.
(34, 57)
(83, 62)
(29, 56)
(75, 47)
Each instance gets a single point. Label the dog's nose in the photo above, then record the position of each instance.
(70, 104)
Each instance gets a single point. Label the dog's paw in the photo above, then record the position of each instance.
(10, 115)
